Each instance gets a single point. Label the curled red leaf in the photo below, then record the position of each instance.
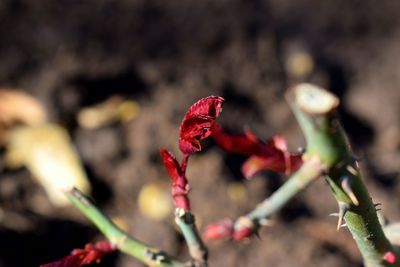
(245, 144)
(197, 123)
(180, 186)
(273, 155)
(80, 257)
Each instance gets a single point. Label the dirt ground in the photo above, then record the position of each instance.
(166, 55)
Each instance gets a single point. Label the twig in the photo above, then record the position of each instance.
(197, 250)
(308, 173)
(118, 237)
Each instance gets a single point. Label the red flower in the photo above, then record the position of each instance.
(197, 123)
(273, 155)
(80, 257)
(180, 186)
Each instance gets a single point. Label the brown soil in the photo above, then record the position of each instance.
(168, 54)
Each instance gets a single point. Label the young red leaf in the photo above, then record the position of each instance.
(80, 257)
(246, 144)
(172, 166)
(197, 123)
(256, 164)
(180, 186)
(273, 155)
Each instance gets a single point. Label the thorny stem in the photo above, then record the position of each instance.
(118, 237)
(315, 110)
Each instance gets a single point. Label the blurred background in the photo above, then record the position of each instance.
(159, 57)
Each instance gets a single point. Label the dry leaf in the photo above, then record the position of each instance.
(48, 153)
(19, 108)
(113, 109)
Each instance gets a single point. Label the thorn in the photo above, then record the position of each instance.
(335, 214)
(343, 225)
(376, 205)
(343, 208)
(351, 170)
(257, 234)
(346, 186)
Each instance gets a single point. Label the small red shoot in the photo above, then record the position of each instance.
(180, 186)
(226, 229)
(80, 257)
(197, 123)
(242, 234)
(218, 230)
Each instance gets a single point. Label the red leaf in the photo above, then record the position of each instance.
(172, 165)
(180, 186)
(273, 155)
(254, 165)
(80, 257)
(246, 144)
(197, 123)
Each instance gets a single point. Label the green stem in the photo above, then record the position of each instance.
(186, 222)
(118, 237)
(315, 110)
(308, 172)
